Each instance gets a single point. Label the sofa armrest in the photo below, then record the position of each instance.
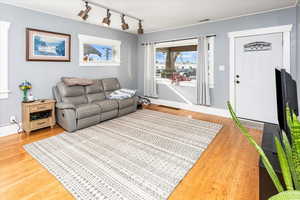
(65, 106)
(66, 118)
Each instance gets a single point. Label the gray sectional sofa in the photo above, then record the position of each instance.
(78, 107)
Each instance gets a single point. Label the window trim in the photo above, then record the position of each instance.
(4, 28)
(101, 41)
(183, 42)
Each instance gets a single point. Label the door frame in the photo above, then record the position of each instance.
(286, 32)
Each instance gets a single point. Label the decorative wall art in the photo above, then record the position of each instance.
(94, 51)
(47, 46)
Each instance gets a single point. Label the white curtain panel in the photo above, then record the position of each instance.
(203, 92)
(150, 88)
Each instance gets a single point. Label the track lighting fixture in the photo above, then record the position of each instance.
(84, 13)
(140, 29)
(124, 25)
(106, 20)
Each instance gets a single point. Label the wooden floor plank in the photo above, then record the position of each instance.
(16, 172)
(227, 170)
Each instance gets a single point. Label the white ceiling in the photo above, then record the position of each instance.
(157, 14)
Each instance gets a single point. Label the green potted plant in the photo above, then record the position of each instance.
(288, 156)
(25, 86)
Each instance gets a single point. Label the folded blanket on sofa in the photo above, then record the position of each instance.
(122, 94)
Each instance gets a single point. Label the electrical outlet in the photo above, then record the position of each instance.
(12, 119)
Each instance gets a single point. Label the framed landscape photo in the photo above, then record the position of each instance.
(47, 46)
(95, 51)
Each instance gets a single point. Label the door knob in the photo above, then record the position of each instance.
(237, 82)
(238, 76)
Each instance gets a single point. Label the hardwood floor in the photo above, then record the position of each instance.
(227, 170)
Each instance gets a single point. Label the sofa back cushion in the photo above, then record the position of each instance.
(110, 85)
(95, 91)
(71, 94)
(72, 81)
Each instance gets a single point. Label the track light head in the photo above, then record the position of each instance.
(124, 25)
(84, 13)
(106, 20)
(140, 29)
(81, 13)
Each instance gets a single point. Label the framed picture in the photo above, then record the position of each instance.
(47, 46)
(95, 51)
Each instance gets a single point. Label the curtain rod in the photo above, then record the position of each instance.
(111, 9)
(175, 40)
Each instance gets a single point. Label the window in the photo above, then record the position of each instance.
(184, 67)
(4, 27)
(176, 62)
(94, 51)
(184, 63)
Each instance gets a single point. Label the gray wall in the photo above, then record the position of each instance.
(220, 94)
(43, 75)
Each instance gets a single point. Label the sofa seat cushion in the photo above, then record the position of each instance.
(87, 110)
(107, 105)
(123, 103)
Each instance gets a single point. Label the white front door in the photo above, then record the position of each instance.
(256, 58)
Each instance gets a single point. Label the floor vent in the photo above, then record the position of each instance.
(173, 108)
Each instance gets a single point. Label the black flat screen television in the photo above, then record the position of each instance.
(286, 90)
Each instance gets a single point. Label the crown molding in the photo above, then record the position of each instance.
(221, 19)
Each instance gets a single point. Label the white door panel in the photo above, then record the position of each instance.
(255, 70)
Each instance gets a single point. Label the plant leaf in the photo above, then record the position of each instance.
(288, 152)
(287, 195)
(288, 116)
(294, 126)
(264, 158)
(284, 165)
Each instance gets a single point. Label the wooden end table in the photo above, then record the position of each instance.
(38, 114)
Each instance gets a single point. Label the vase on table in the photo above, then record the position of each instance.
(25, 86)
(25, 95)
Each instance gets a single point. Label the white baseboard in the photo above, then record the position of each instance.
(195, 108)
(9, 130)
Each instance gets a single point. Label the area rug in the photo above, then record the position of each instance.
(140, 156)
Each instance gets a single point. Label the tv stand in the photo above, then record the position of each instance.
(266, 186)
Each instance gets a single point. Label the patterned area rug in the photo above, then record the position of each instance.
(141, 156)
